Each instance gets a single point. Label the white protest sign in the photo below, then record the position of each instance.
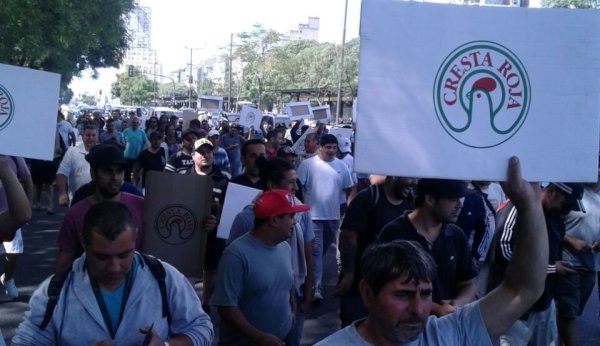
(454, 91)
(321, 113)
(236, 198)
(28, 110)
(212, 104)
(250, 116)
(299, 110)
(187, 116)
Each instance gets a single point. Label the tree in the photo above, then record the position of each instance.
(569, 3)
(64, 36)
(88, 99)
(136, 90)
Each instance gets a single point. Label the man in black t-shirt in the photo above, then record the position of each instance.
(437, 206)
(370, 210)
(181, 161)
(150, 159)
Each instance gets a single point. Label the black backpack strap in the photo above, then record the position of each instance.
(54, 288)
(159, 273)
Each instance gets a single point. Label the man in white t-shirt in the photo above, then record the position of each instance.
(323, 178)
(74, 170)
(397, 290)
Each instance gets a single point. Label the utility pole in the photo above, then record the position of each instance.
(230, 72)
(190, 79)
(339, 90)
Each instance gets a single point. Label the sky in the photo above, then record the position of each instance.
(208, 24)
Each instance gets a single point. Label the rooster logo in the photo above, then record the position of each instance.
(481, 94)
(7, 107)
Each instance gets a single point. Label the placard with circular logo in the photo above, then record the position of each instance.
(7, 107)
(175, 224)
(482, 94)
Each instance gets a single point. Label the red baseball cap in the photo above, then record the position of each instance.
(277, 202)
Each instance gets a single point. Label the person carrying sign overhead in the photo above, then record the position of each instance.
(397, 286)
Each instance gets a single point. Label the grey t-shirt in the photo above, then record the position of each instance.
(257, 279)
(463, 327)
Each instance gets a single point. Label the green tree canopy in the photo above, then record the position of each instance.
(136, 90)
(64, 36)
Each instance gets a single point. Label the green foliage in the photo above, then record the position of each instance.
(270, 66)
(63, 36)
(569, 3)
(88, 99)
(136, 90)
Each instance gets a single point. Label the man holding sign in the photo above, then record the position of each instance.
(397, 286)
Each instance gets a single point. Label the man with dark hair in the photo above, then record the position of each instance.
(219, 154)
(311, 148)
(112, 296)
(112, 136)
(397, 287)
(437, 206)
(74, 170)
(538, 325)
(256, 304)
(135, 141)
(323, 178)
(150, 159)
(251, 150)
(107, 168)
(370, 210)
(232, 142)
(182, 161)
(274, 140)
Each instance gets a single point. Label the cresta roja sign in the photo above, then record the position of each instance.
(481, 94)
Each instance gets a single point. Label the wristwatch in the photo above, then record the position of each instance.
(166, 343)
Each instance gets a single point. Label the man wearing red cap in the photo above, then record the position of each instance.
(255, 283)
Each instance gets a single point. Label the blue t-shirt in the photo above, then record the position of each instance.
(113, 300)
(134, 142)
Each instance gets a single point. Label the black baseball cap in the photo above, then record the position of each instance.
(443, 187)
(574, 193)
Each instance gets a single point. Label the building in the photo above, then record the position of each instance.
(306, 31)
(140, 53)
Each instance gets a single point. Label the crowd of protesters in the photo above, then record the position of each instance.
(430, 261)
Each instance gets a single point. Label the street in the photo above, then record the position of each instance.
(40, 254)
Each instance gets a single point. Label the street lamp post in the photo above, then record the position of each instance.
(339, 90)
(190, 78)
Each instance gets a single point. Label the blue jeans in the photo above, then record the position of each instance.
(325, 232)
(293, 338)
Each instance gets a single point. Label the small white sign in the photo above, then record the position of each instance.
(341, 132)
(322, 113)
(454, 91)
(212, 104)
(236, 198)
(28, 110)
(299, 110)
(250, 116)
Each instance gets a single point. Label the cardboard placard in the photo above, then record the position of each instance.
(237, 197)
(174, 207)
(28, 110)
(341, 132)
(454, 97)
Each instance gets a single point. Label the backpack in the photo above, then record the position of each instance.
(57, 281)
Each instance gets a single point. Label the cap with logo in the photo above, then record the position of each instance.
(105, 155)
(442, 188)
(213, 133)
(201, 142)
(344, 144)
(277, 202)
(574, 193)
